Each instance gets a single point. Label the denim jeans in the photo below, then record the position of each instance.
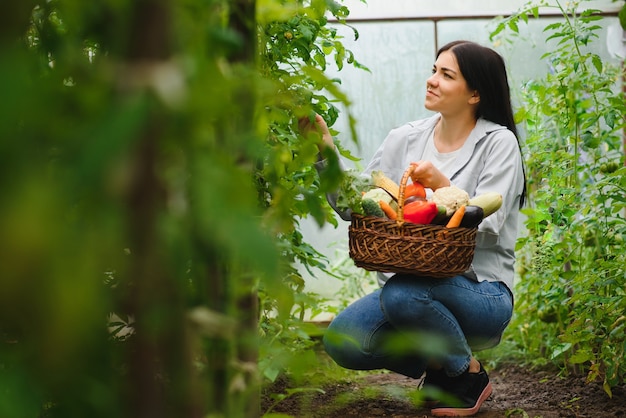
(413, 322)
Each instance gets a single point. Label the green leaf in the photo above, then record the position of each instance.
(611, 117)
(581, 356)
(524, 17)
(552, 26)
(535, 11)
(337, 9)
(607, 388)
(499, 28)
(597, 63)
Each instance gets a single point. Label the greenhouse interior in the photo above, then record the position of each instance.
(207, 212)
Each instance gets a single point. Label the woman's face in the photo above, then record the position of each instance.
(446, 90)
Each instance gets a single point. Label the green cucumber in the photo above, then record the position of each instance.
(490, 202)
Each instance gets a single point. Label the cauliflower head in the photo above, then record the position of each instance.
(451, 197)
(377, 194)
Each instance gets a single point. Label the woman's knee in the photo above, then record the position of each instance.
(341, 346)
(403, 302)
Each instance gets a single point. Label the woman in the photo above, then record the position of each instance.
(416, 325)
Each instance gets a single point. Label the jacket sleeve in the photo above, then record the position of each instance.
(346, 214)
(502, 173)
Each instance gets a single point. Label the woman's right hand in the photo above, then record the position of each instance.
(425, 173)
(317, 126)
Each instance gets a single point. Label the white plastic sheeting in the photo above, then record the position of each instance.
(385, 9)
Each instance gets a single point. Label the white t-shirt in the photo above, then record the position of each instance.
(442, 160)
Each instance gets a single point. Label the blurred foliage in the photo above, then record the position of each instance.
(572, 264)
(153, 183)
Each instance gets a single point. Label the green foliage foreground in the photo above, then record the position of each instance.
(153, 182)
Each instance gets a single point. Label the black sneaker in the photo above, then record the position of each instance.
(470, 390)
(434, 386)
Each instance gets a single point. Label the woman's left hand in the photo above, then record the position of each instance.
(319, 127)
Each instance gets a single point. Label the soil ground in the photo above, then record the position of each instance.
(516, 393)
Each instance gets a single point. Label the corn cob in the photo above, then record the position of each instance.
(381, 180)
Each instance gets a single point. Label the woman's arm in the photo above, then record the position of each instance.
(318, 126)
(502, 173)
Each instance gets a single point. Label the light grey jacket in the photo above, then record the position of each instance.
(489, 161)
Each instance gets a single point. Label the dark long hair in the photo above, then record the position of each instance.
(484, 71)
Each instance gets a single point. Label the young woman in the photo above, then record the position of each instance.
(420, 325)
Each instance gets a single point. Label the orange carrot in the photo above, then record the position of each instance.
(391, 214)
(457, 216)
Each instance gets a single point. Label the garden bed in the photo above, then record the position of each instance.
(517, 392)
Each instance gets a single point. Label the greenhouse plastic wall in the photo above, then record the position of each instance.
(397, 43)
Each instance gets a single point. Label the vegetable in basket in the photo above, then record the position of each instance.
(389, 211)
(490, 202)
(372, 208)
(414, 190)
(420, 212)
(451, 197)
(377, 194)
(350, 192)
(381, 180)
(472, 217)
(457, 217)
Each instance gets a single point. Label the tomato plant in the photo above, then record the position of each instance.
(571, 301)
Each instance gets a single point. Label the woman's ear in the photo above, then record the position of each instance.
(475, 98)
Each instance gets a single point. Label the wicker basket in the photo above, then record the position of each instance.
(380, 244)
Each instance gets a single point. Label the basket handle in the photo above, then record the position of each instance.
(405, 177)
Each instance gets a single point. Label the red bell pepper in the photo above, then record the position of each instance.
(420, 212)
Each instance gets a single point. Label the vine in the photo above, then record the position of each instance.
(296, 45)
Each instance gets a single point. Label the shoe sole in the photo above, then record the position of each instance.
(464, 412)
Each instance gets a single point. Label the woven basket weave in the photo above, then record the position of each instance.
(380, 244)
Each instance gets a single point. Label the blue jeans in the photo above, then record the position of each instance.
(413, 322)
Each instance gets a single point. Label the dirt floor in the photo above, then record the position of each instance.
(516, 393)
